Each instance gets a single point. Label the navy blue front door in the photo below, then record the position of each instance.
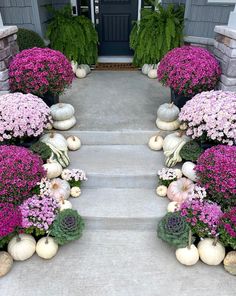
(114, 21)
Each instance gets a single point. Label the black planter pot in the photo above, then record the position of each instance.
(179, 100)
(23, 142)
(50, 99)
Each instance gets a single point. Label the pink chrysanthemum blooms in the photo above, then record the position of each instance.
(22, 116)
(38, 213)
(40, 71)
(189, 70)
(10, 219)
(227, 228)
(203, 216)
(216, 171)
(20, 171)
(211, 115)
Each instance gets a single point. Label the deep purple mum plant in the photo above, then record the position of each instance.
(40, 71)
(20, 171)
(228, 228)
(189, 70)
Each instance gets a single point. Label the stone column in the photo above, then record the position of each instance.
(8, 48)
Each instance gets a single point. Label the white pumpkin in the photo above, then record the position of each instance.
(62, 111)
(168, 112)
(178, 173)
(73, 143)
(146, 68)
(74, 66)
(188, 170)
(21, 247)
(211, 252)
(6, 262)
(64, 125)
(60, 189)
(188, 255)
(55, 139)
(173, 206)
(168, 126)
(161, 190)
(180, 189)
(65, 204)
(86, 68)
(80, 73)
(75, 191)
(53, 168)
(46, 247)
(152, 73)
(156, 143)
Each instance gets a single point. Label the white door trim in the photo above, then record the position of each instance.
(92, 11)
(139, 9)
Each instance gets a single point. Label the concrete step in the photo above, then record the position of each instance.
(118, 166)
(126, 209)
(124, 137)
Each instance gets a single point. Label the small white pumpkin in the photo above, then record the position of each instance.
(173, 206)
(65, 204)
(74, 66)
(211, 252)
(64, 125)
(146, 68)
(152, 73)
(55, 139)
(180, 189)
(188, 255)
(168, 112)
(60, 189)
(62, 111)
(161, 190)
(178, 173)
(73, 143)
(46, 247)
(86, 68)
(21, 247)
(156, 143)
(80, 73)
(167, 126)
(188, 170)
(53, 168)
(6, 262)
(75, 191)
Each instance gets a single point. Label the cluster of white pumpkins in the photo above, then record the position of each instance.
(80, 71)
(150, 70)
(63, 116)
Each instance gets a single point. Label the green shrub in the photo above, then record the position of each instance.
(159, 31)
(191, 151)
(28, 39)
(74, 36)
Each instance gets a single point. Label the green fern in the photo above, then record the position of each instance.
(159, 31)
(75, 36)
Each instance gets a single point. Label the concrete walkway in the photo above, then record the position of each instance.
(119, 253)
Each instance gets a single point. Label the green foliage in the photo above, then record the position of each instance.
(74, 36)
(191, 151)
(159, 31)
(28, 39)
(174, 230)
(41, 149)
(68, 226)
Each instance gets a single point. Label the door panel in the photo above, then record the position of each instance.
(114, 19)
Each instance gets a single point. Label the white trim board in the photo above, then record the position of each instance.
(115, 59)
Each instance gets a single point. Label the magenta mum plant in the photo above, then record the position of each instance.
(22, 115)
(189, 70)
(40, 71)
(38, 214)
(20, 171)
(212, 116)
(216, 171)
(227, 228)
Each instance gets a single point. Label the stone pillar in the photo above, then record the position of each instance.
(8, 48)
(225, 52)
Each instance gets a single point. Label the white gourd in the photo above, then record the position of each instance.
(188, 255)
(188, 171)
(65, 204)
(173, 206)
(75, 191)
(55, 139)
(146, 68)
(168, 112)
(6, 262)
(211, 251)
(168, 126)
(46, 247)
(156, 143)
(74, 66)
(86, 68)
(152, 73)
(62, 111)
(64, 125)
(53, 168)
(80, 73)
(161, 190)
(73, 143)
(60, 189)
(21, 247)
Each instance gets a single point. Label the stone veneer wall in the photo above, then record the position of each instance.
(8, 48)
(225, 52)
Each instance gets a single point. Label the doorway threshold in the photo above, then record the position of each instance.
(115, 59)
